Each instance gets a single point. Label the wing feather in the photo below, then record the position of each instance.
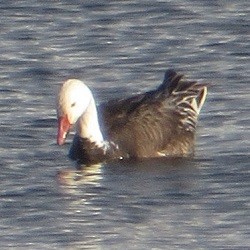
(159, 121)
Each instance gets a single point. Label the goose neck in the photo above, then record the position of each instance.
(88, 125)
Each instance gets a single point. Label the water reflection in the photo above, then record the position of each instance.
(129, 192)
(150, 179)
(91, 174)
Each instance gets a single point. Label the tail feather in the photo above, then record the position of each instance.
(201, 99)
(187, 97)
(170, 81)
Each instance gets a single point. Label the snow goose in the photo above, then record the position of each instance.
(158, 123)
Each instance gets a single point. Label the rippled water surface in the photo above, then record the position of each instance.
(121, 48)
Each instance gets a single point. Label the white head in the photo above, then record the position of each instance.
(73, 99)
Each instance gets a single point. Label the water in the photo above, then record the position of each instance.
(121, 48)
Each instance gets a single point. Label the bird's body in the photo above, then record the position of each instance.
(157, 123)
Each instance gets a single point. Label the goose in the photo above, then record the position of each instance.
(157, 123)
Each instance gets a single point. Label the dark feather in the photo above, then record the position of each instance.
(158, 121)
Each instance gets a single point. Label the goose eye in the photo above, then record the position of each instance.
(73, 104)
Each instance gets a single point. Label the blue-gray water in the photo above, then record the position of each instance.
(120, 48)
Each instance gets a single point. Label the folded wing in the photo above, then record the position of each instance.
(158, 122)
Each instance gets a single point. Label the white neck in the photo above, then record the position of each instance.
(87, 125)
